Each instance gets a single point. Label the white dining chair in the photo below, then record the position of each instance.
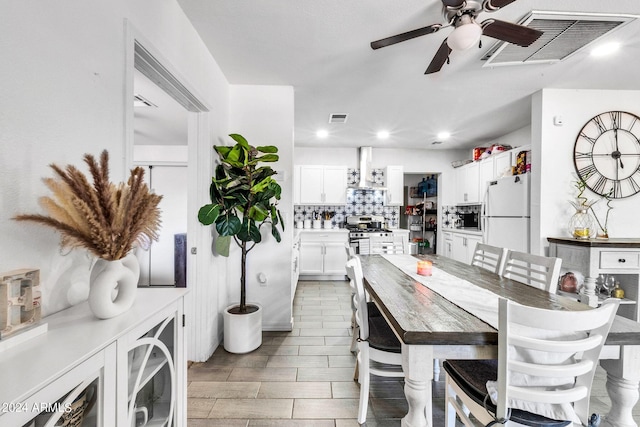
(378, 347)
(488, 257)
(534, 270)
(388, 245)
(543, 374)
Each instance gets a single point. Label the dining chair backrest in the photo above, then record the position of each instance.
(534, 270)
(385, 245)
(488, 257)
(549, 357)
(354, 271)
(349, 250)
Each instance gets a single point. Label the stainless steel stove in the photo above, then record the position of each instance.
(362, 228)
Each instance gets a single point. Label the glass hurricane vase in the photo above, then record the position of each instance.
(581, 223)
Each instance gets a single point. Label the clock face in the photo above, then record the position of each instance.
(607, 154)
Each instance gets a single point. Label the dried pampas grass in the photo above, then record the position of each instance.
(106, 219)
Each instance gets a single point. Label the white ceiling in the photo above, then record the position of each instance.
(321, 48)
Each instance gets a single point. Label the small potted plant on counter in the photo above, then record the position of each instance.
(244, 198)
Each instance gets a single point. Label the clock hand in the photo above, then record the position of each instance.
(615, 133)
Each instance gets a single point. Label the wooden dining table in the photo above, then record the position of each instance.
(430, 326)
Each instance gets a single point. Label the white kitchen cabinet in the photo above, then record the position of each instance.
(320, 185)
(447, 238)
(462, 246)
(322, 254)
(394, 182)
(467, 184)
(134, 365)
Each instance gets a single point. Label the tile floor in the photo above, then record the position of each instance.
(304, 378)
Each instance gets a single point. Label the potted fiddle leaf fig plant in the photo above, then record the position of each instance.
(244, 198)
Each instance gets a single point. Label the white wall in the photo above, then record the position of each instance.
(553, 172)
(62, 95)
(264, 116)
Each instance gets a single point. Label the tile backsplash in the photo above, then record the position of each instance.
(359, 202)
(450, 214)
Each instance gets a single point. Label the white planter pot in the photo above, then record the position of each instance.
(242, 332)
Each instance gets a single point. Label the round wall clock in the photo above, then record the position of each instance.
(607, 154)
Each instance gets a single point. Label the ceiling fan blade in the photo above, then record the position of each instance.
(439, 58)
(454, 3)
(508, 32)
(491, 5)
(405, 36)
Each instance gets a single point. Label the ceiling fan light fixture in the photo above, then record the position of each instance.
(464, 36)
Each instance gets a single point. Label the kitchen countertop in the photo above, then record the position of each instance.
(473, 231)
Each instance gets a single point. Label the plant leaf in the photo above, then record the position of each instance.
(275, 233)
(222, 245)
(267, 149)
(208, 214)
(240, 140)
(228, 225)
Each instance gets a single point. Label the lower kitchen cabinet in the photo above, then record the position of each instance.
(126, 371)
(322, 254)
(460, 246)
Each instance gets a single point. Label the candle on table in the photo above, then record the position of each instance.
(424, 268)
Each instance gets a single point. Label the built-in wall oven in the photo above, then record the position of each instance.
(362, 228)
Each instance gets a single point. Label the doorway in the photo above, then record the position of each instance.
(163, 113)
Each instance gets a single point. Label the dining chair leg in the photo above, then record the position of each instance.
(354, 339)
(363, 362)
(436, 369)
(356, 372)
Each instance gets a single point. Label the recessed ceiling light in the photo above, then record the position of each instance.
(444, 135)
(383, 134)
(605, 49)
(322, 133)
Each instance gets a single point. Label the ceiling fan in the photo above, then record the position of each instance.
(462, 15)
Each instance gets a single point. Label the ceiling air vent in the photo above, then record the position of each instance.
(338, 118)
(564, 34)
(141, 101)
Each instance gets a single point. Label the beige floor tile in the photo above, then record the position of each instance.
(325, 374)
(331, 350)
(325, 408)
(276, 350)
(236, 360)
(291, 423)
(372, 423)
(199, 373)
(226, 390)
(209, 422)
(320, 318)
(337, 340)
(342, 324)
(252, 408)
(263, 374)
(296, 341)
(345, 390)
(298, 362)
(342, 361)
(294, 390)
(199, 408)
(305, 325)
(325, 332)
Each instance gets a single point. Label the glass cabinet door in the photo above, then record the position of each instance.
(152, 377)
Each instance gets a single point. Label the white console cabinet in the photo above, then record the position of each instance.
(134, 365)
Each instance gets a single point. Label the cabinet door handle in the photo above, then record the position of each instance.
(622, 260)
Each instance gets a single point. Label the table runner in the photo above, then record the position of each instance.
(480, 302)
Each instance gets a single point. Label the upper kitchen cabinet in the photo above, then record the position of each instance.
(467, 188)
(394, 181)
(322, 185)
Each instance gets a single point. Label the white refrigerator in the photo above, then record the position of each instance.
(506, 213)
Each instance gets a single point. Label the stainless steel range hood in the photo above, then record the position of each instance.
(366, 178)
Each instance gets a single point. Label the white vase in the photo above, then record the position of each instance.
(242, 332)
(113, 286)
